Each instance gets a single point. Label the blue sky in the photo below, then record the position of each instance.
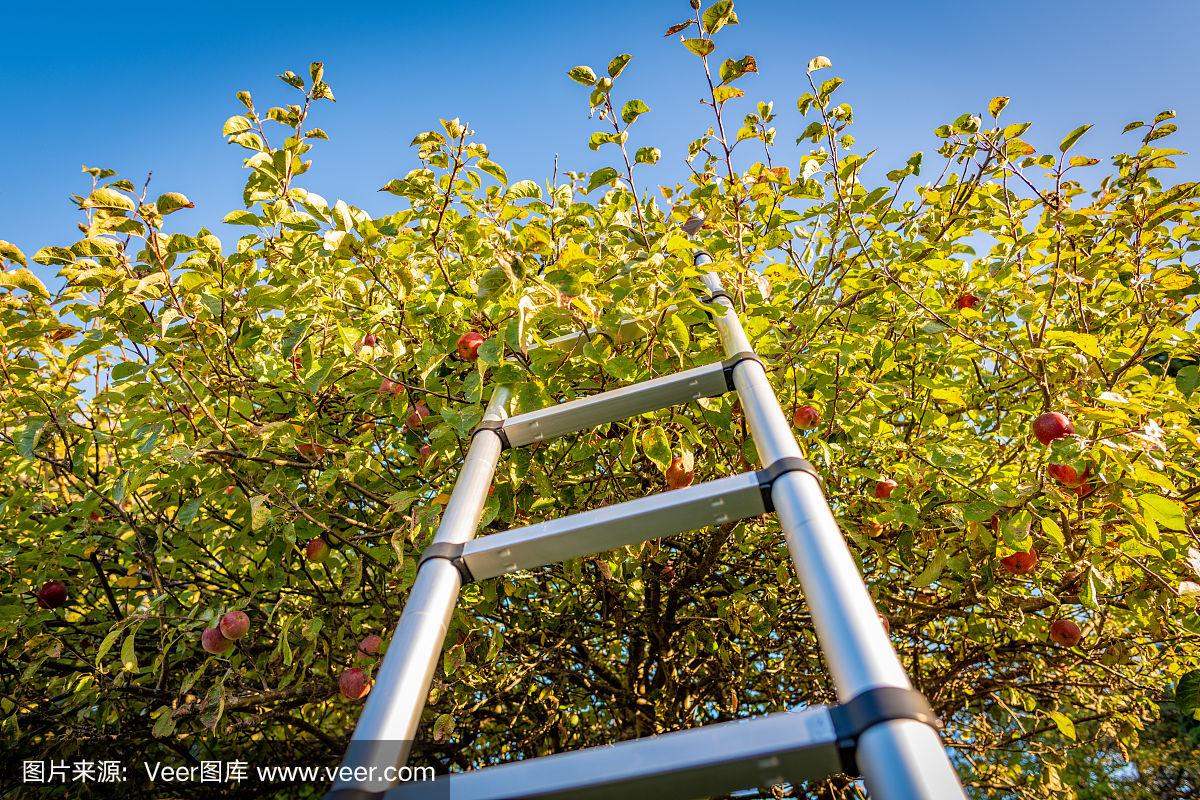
(147, 88)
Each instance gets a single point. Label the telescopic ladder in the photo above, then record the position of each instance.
(881, 729)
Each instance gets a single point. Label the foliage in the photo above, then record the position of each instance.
(184, 415)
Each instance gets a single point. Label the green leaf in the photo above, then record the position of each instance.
(820, 62)
(718, 15)
(235, 125)
(260, 514)
(1073, 137)
(164, 726)
(934, 569)
(108, 199)
(1086, 343)
(656, 446)
(632, 110)
(107, 643)
(732, 70)
(1065, 726)
(647, 155)
(129, 653)
(493, 169)
(582, 74)
(172, 201)
(617, 65)
(1166, 513)
(24, 279)
(1187, 379)
(11, 252)
(28, 435)
(700, 47)
(997, 105)
(187, 513)
(1187, 694)
(525, 189)
(600, 177)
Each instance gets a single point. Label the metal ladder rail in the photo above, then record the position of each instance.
(881, 720)
(900, 759)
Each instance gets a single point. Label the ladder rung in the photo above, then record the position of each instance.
(627, 330)
(607, 528)
(787, 747)
(628, 401)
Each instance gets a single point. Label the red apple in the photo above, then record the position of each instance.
(369, 340)
(966, 300)
(884, 489)
(679, 476)
(370, 645)
(423, 455)
(873, 528)
(234, 625)
(214, 642)
(416, 417)
(388, 386)
(353, 684)
(468, 345)
(317, 550)
(53, 594)
(1052, 425)
(1020, 563)
(806, 417)
(1064, 474)
(230, 489)
(1065, 632)
(95, 516)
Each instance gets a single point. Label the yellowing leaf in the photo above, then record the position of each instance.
(11, 252)
(24, 279)
(1065, 726)
(820, 62)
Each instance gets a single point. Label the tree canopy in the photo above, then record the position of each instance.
(187, 423)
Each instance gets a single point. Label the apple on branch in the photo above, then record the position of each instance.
(469, 344)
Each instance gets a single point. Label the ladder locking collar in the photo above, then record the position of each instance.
(768, 475)
(730, 364)
(451, 552)
(870, 708)
(712, 298)
(496, 426)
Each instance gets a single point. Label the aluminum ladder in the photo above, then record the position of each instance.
(881, 729)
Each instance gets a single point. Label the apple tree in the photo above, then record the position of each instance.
(222, 459)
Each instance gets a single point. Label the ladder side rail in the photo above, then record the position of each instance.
(900, 759)
(708, 760)
(385, 730)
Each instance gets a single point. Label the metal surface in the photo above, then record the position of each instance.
(629, 330)
(787, 747)
(384, 734)
(628, 401)
(712, 503)
(898, 763)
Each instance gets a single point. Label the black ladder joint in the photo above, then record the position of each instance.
(768, 475)
(496, 426)
(448, 551)
(866, 710)
(712, 298)
(731, 363)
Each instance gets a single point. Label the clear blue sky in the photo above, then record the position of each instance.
(141, 88)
